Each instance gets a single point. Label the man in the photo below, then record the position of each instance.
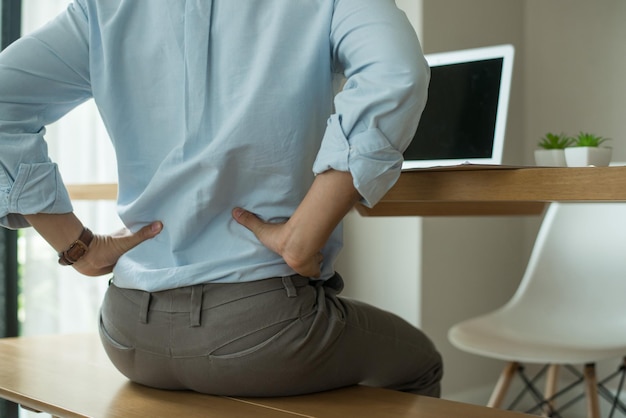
(237, 161)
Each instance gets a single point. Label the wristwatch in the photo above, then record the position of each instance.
(77, 249)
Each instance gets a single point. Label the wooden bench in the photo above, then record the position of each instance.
(70, 376)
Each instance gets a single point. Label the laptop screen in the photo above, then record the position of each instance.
(465, 116)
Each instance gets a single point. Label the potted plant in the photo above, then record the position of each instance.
(586, 151)
(551, 150)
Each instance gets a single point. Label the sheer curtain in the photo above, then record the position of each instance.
(57, 299)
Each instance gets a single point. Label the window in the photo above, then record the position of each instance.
(55, 299)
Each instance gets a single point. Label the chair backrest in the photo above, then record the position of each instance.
(576, 275)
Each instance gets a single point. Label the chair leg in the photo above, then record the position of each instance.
(591, 389)
(502, 387)
(552, 379)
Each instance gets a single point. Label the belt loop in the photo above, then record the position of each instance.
(144, 307)
(289, 287)
(196, 305)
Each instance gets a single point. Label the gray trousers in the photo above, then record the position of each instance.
(275, 337)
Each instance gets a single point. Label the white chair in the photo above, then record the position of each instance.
(570, 307)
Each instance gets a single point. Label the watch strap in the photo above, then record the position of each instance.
(77, 249)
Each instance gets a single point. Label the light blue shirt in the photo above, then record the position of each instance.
(213, 104)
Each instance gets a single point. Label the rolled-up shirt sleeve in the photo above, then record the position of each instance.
(377, 111)
(37, 188)
(42, 77)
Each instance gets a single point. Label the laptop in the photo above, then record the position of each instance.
(464, 120)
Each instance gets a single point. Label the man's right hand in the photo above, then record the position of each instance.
(105, 250)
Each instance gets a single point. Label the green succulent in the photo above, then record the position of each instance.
(585, 139)
(555, 141)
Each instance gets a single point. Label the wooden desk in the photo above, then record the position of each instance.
(496, 191)
(470, 190)
(70, 376)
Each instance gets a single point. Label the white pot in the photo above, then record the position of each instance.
(550, 157)
(588, 156)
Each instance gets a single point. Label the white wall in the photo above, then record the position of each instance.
(381, 263)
